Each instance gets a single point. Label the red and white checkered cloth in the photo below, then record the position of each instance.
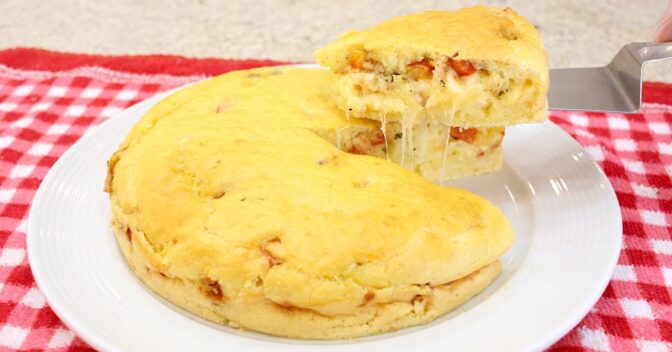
(48, 100)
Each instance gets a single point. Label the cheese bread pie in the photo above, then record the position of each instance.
(236, 199)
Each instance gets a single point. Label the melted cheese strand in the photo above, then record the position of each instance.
(410, 141)
(426, 134)
(445, 156)
(404, 135)
(383, 127)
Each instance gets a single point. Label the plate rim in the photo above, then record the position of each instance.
(579, 314)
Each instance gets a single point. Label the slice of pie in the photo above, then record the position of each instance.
(474, 67)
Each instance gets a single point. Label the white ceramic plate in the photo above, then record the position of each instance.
(564, 211)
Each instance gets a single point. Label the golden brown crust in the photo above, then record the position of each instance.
(478, 33)
(258, 314)
(110, 172)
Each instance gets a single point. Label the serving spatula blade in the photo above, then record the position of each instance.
(616, 87)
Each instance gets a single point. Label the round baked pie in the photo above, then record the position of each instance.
(233, 200)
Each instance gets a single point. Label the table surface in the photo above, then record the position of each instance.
(575, 32)
(47, 101)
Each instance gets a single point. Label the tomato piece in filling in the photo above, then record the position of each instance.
(357, 60)
(462, 67)
(356, 150)
(422, 69)
(464, 134)
(378, 138)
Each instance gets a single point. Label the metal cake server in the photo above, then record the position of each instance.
(616, 87)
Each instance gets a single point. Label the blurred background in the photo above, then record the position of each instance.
(575, 32)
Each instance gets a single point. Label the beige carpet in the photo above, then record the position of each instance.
(576, 32)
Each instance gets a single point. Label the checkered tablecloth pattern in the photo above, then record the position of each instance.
(49, 100)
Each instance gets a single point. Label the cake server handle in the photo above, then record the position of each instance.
(649, 52)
